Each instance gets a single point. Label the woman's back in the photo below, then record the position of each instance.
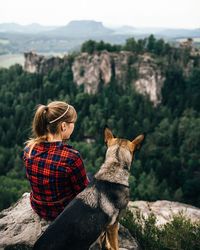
(54, 169)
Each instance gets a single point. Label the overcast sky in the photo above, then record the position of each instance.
(137, 13)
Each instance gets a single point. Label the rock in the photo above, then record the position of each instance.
(164, 210)
(150, 80)
(20, 227)
(40, 64)
(93, 71)
(32, 62)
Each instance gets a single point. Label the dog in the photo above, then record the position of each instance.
(97, 208)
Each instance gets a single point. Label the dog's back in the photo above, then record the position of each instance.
(83, 220)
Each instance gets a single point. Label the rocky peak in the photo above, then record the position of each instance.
(32, 62)
(35, 63)
(91, 70)
(150, 80)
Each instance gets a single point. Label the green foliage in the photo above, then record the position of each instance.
(178, 234)
(167, 166)
(92, 46)
(11, 189)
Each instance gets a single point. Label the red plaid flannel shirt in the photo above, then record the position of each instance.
(56, 174)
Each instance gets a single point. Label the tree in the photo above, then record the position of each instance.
(130, 45)
(151, 43)
(89, 46)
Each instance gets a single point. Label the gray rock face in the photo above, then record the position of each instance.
(32, 62)
(91, 69)
(35, 63)
(20, 227)
(164, 210)
(150, 81)
(99, 68)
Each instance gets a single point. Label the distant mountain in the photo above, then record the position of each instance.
(91, 29)
(136, 31)
(27, 29)
(159, 32)
(16, 38)
(83, 28)
(175, 33)
(124, 30)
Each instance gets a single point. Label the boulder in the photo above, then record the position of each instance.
(165, 210)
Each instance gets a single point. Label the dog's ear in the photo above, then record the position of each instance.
(107, 135)
(137, 142)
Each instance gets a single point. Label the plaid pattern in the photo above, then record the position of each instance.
(56, 174)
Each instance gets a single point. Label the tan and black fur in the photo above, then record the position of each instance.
(97, 208)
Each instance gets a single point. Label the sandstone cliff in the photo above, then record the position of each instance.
(101, 68)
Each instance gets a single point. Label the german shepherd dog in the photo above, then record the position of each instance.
(97, 208)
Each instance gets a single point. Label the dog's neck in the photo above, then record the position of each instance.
(116, 166)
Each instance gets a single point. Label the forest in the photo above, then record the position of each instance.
(168, 164)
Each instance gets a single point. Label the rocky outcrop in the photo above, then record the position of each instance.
(165, 210)
(35, 63)
(91, 69)
(20, 227)
(98, 69)
(32, 62)
(150, 80)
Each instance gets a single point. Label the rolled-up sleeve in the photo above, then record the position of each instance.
(78, 176)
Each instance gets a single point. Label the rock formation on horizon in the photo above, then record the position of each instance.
(100, 68)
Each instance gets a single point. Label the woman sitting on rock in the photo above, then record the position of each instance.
(54, 169)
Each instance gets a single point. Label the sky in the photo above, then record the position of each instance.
(113, 13)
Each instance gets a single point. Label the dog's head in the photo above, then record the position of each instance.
(122, 145)
(119, 156)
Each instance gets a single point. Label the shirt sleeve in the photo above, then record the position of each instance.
(78, 176)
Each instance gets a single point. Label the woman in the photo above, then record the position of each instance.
(55, 169)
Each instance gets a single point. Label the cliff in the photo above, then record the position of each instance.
(141, 71)
(35, 63)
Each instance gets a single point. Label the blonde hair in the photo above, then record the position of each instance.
(47, 119)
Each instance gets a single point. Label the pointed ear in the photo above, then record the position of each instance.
(137, 142)
(107, 135)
